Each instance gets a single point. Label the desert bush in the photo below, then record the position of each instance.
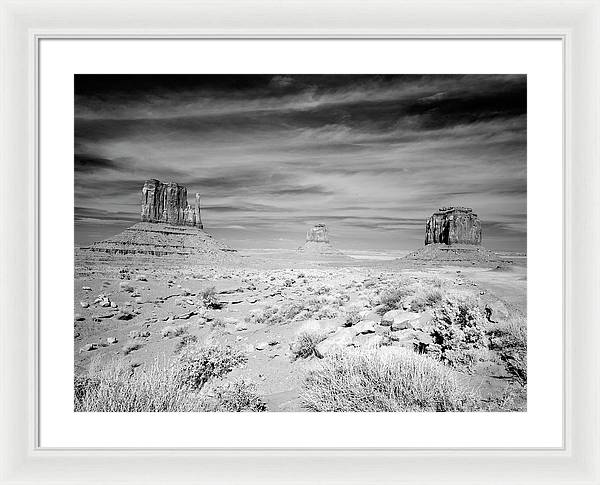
(509, 340)
(237, 396)
(209, 298)
(352, 317)
(185, 340)
(197, 364)
(458, 332)
(115, 387)
(131, 346)
(384, 379)
(307, 339)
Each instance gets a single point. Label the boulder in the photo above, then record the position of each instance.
(399, 319)
(340, 339)
(365, 327)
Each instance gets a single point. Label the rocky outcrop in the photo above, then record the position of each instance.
(317, 243)
(169, 227)
(160, 239)
(453, 225)
(317, 233)
(168, 203)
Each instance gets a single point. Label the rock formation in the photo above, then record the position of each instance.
(317, 242)
(453, 236)
(318, 233)
(453, 225)
(168, 203)
(169, 227)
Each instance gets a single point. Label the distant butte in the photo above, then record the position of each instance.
(317, 242)
(453, 235)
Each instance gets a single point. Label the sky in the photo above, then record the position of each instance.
(370, 156)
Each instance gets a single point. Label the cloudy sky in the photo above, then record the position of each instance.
(371, 156)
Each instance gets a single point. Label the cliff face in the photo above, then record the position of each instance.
(453, 225)
(317, 233)
(168, 203)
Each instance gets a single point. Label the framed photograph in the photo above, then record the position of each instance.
(314, 242)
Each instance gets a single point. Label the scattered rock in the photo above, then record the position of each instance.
(365, 327)
(86, 288)
(79, 317)
(84, 304)
(123, 315)
(398, 319)
(261, 345)
(125, 286)
(111, 340)
(92, 346)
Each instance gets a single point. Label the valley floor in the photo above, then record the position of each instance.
(137, 311)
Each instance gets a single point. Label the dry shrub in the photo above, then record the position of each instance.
(509, 340)
(307, 339)
(209, 298)
(458, 332)
(171, 331)
(384, 379)
(352, 317)
(197, 364)
(317, 308)
(237, 396)
(185, 340)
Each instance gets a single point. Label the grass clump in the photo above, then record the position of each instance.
(316, 308)
(458, 332)
(509, 340)
(185, 341)
(385, 379)
(427, 299)
(306, 342)
(114, 387)
(392, 298)
(171, 331)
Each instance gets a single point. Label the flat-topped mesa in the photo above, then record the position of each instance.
(318, 233)
(167, 202)
(453, 225)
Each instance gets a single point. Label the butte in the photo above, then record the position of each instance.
(453, 235)
(169, 227)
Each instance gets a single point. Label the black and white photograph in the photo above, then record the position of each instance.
(300, 243)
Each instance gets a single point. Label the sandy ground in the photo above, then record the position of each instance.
(131, 299)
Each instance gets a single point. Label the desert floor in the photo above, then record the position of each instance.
(154, 302)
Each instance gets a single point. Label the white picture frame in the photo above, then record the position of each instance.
(24, 23)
